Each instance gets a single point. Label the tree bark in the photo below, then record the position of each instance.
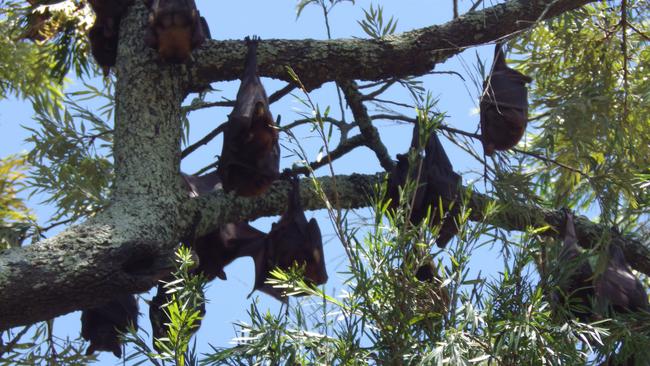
(410, 53)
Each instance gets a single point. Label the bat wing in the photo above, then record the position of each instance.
(265, 259)
(618, 286)
(505, 87)
(286, 245)
(316, 270)
(442, 187)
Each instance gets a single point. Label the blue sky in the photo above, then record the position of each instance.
(277, 19)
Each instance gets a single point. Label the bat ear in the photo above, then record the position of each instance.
(90, 350)
(314, 232)
(222, 275)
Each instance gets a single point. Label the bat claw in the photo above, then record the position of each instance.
(252, 39)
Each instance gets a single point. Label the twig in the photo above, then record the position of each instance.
(552, 161)
(369, 132)
(304, 121)
(52, 226)
(376, 93)
(394, 103)
(476, 4)
(204, 141)
(277, 95)
(11, 344)
(205, 169)
(343, 148)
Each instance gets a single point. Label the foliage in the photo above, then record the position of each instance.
(36, 345)
(588, 148)
(14, 214)
(593, 108)
(71, 158)
(184, 310)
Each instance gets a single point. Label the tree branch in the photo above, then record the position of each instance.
(369, 132)
(90, 263)
(407, 54)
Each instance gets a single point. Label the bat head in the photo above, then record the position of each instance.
(503, 105)
(102, 325)
(175, 29)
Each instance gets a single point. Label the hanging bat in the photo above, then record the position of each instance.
(576, 279)
(503, 105)
(435, 297)
(41, 24)
(109, 13)
(438, 182)
(214, 251)
(37, 23)
(104, 34)
(175, 29)
(103, 325)
(292, 241)
(159, 318)
(616, 288)
(250, 157)
(222, 246)
(103, 47)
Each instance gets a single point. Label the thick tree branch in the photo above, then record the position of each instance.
(406, 54)
(90, 263)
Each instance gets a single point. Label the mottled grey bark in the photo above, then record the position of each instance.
(407, 54)
(127, 247)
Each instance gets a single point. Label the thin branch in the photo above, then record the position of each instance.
(394, 103)
(59, 223)
(369, 132)
(204, 141)
(277, 95)
(339, 124)
(343, 148)
(551, 161)
(11, 344)
(281, 93)
(206, 168)
(378, 92)
(475, 5)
